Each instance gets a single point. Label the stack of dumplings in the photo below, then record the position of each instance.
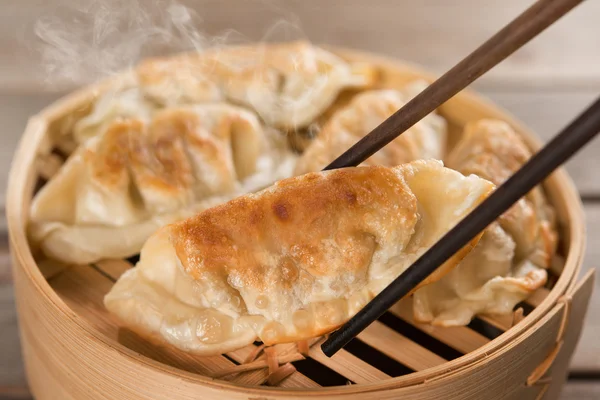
(180, 135)
(191, 163)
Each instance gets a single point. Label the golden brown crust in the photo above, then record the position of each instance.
(185, 129)
(178, 156)
(159, 161)
(109, 162)
(157, 157)
(215, 242)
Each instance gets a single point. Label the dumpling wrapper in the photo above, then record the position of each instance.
(509, 262)
(426, 139)
(123, 102)
(120, 186)
(288, 84)
(486, 281)
(293, 261)
(492, 150)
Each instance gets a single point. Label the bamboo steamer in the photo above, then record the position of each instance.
(74, 350)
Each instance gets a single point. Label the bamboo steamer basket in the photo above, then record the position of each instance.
(74, 350)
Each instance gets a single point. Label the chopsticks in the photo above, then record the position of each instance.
(556, 152)
(522, 29)
(514, 35)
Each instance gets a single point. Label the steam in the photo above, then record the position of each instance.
(84, 41)
(106, 36)
(87, 41)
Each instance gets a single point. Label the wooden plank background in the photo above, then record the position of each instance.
(545, 84)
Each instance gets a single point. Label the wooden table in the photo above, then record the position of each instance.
(545, 84)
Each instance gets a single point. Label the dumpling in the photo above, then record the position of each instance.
(293, 261)
(492, 150)
(178, 80)
(487, 281)
(509, 262)
(110, 106)
(288, 85)
(426, 139)
(123, 184)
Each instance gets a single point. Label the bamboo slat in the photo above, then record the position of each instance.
(502, 322)
(113, 268)
(460, 338)
(398, 347)
(349, 366)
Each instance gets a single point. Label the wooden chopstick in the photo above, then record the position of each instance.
(522, 29)
(556, 152)
(514, 35)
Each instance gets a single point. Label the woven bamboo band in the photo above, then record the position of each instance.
(536, 376)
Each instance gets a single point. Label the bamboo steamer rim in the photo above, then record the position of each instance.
(18, 206)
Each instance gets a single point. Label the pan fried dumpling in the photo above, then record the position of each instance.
(121, 185)
(492, 150)
(509, 262)
(288, 85)
(110, 106)
(178, 80)
(487, 281)
(293, 261)
(426, 139)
